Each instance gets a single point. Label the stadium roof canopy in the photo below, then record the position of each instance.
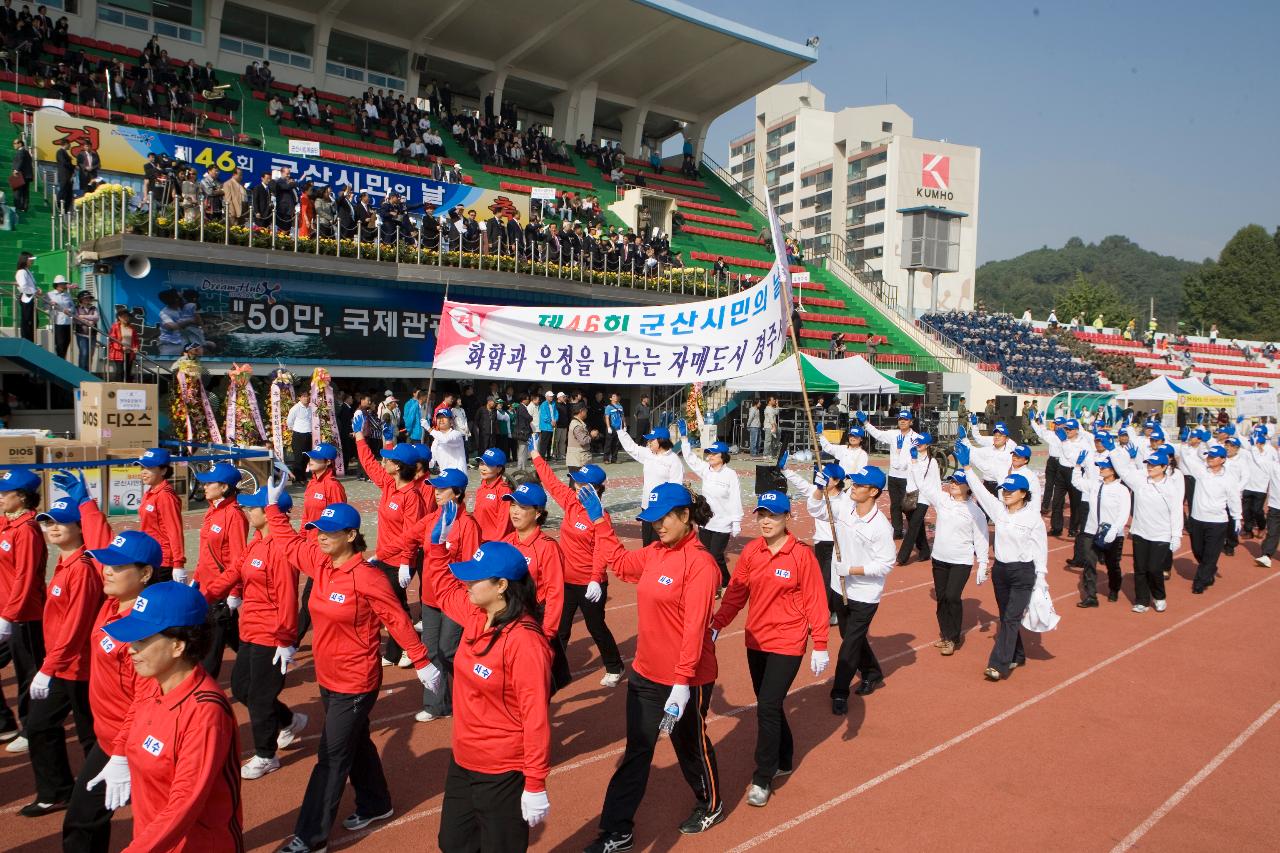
(638, 66)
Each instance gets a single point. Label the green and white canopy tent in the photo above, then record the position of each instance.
(853, 375)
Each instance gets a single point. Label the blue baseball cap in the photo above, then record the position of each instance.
(1218, 452)
(1156, 459)
(1059, 421)
(1103, 462)
(60, 512)
(324, 450)
(922, 439)
(664, 498)
(424, 452)
(160, 606)
(450, 478)
(1072, 423)
(1000, 429)
(592, 474)
(403, 453)
(719, 447)
(259, 499)
(1232, 440)
(775, 502)
(529, 494)
(657, 435)
(223, 472)
(958, 477)
(128, 547)
(492, 560)
(1202, 434)
(1023, 451)
(858, 431)
(1015, 483)
(494, 457)
(1157, 434)
(905, 415)
(868, 476)
(833, 471)
(155, 457)
(19, 481)
(336, 517)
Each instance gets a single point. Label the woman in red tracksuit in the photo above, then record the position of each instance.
(160, 513)
(23, 555)
(223, 533)
(322, 489)
(585, 585)
(350, 602)
(781, 577)
(674, 671)
(528, 511)
(495, 789)
(61, 687)
(267, 631)
(176, 755)
(399, 518)
(129, 564)
(489, 511)
(440, 633)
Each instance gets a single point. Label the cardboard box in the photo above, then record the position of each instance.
(65, 452)
(119, 415)
(17, 450)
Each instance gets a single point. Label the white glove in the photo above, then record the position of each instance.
(6, 629)
(275, 489)
(430, 677)
(284, 657)
(677, 700)
(534, 807)
(593, 592)
(818, 661)
(404, 575)
(983, 574)
(40, 686)
(180, 575)
(234, 602)
(116, 775)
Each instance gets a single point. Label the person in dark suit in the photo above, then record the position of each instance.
(24, 168)
(66, 175)
(514, 235)
(285, 189)
(261, 199)
(89, 163)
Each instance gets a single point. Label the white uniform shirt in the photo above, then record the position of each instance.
(659, 468)
(299, 418)
(1020, 536)
(1256, 457)
(1157, 507)
(994, 462)
(1033, 478)
(840, 503)
(64, 307)
(722, 490)
(922, 471)
(960, 528)
(865, 541)
(448, 449)
(850, 458)
(1109, 503)
(1216, 495)
(1272, 466)
(899, 448)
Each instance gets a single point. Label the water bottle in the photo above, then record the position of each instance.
(669, 718)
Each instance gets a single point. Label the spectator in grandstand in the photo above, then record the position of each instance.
(86, 328)
(211, 190)
(233, 197)
(22, 175)
(66, 174)
(325, 212)
(261, 202)
(1030, 361)
(1213, 333)
(275, 109)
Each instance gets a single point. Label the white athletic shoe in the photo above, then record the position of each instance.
(427, 716)
(257, 767)
(757, 796)
(18, 744)
(1264, 560)
(289, 734)
(611, 679)
(388, 662)
(405, 663)
(1140, 608)
(1160, 604)
(417, 626)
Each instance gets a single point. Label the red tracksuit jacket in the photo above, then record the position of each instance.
(184, 765)
(788, 598)
(160, 517)
(269, 614)
(491, 511)
(500, 693)
(464, 539)
(222, 536)
(322, 489)
(577, 533)
(546, 565)
(399, 512)
(349, 605)
(675, 594)
(75, 597)
(23, 555)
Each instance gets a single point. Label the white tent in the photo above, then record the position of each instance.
(1197, 386)
(843, 375)
(1160, 388)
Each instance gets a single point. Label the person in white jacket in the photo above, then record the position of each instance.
(660, 464)
(723, 491)
(823, 542)
(898, 443)
(851, 455)
(1065, 443)
(866, 558)
(1102, 534)
(1253, 502)
(992, 454)
(1021, 565)
(1272, 466)
(1215, 507)
(1020, 463)
(916, 537)
(959, 542)
(448, 444)
(1156, 528)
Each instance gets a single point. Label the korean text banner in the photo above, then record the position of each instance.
(266, 317)
(125, 149)
(660, 345)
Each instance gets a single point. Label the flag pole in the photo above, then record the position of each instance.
(431, 381)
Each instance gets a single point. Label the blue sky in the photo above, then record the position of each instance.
(1159, 121)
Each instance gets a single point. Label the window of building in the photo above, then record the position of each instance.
(772, 176)
(771, 158)
(821, 224)
(248, 24)
(865, 231)
(748, 147)
(858, 168)
(175, 19)
(859, 190)
(386, 65)
(774, 137)
(861, 256)
(857, 214)
(931, 240)
(817, 179)
(783, 209)
(886, 127)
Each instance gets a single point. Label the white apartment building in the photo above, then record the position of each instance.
(857, 186)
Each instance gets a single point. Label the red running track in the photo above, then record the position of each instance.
(1124, 731)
